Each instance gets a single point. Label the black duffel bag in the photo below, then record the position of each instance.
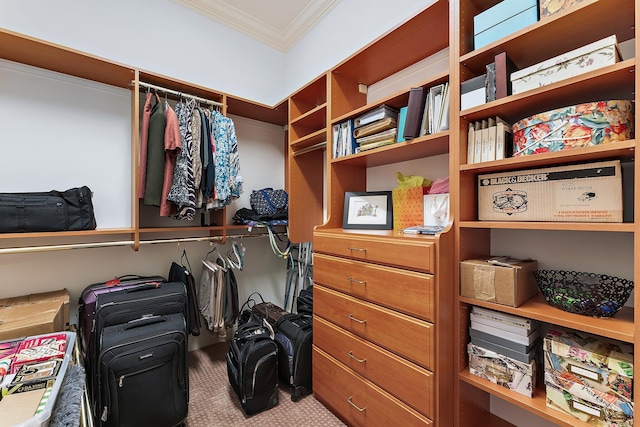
(47, 211)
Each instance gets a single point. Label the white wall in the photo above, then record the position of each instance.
(159, 36)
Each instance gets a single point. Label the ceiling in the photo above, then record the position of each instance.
(277, 23)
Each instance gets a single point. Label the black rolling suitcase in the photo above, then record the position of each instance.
(294, 336)
(124, 306)
(252, 365)
(143, 378)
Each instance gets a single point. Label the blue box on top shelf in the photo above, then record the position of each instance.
(504, 18)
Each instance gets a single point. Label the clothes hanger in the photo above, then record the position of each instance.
(235, 256)
(183, 258)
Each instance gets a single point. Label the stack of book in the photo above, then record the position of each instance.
(504, 349)
(512, 336)
(489, 139)
(375, 128)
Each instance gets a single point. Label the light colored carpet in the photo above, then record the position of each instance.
(213, 402)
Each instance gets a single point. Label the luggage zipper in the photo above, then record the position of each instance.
(255, 369)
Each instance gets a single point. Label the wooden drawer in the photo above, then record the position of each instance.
(406, 381)
(415, 254)
(404, 335)
(410, 292)
(357, 401)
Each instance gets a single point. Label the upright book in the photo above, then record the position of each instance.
(503, 68)
(415, 107)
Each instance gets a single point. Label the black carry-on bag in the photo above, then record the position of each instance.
(252, 365)
(294, 336)
(143, 380)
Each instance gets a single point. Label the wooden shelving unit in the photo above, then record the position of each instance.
(547, 38)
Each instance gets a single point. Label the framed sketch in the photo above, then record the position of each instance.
(368, 210)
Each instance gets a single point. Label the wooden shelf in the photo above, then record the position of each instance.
(557, 34)
(621, 227)
(424, 146)
(624, 150)
(536, 404)
(620, 326)
(612, 82)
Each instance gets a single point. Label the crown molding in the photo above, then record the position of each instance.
(261, 28)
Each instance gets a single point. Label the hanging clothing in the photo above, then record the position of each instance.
(208, 166)
(172, 147)
(144, 135)
(227, 178)
(196, 138)
(182, 191)
(155, 156)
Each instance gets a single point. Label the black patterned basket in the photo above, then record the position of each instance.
(590, 294)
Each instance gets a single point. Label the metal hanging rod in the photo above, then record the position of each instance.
(318, 146)
(177, 93)
(47, 248)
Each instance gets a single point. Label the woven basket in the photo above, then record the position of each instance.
(589, 294)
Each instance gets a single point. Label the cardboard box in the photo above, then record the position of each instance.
(580, 193)
(570, 64)
(574, 126)
(503, 19)
(502, 370)
(510, 286)
(34, 314)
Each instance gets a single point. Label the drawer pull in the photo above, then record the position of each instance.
(351, 248)
(356, 320)
(360, 282)
(349, 399)
(355, 358)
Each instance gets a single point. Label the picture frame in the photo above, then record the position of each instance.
(369, 210)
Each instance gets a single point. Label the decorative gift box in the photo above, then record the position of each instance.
(568, 394)
(589, 192)
(502, 370)
(606, 363)
(582, 125)
(578, 61)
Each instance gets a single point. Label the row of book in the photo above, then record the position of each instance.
(489, 139)
(426, 112)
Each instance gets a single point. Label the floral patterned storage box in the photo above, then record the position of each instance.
(582, 125)
(578, 61)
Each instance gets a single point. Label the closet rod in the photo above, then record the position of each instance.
(177, 93)
(47, 248)
(315, 147)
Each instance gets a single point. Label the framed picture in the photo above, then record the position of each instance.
(370, 210)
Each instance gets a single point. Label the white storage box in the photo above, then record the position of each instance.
(579, 61)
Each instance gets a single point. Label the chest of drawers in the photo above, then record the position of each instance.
(383, 327)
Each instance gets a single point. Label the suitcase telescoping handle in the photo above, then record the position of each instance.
(145, 286)
(128, 277)
(144, 321)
